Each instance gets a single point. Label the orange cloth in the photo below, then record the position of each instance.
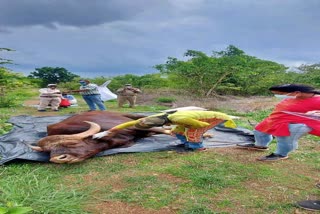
(196, 134)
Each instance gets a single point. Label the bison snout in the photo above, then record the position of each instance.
(65, 158)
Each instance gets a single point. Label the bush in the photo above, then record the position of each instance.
(5, 127)
(166, 99)
(6, 102)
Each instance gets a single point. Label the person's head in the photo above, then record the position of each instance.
(52, 86)
(149, 122)
(84, 82)
(128, 86)
(293, 91)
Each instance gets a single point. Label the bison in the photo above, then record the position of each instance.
(70, 140)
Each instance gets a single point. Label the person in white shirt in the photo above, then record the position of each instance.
(49, 96)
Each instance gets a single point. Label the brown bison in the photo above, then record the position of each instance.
(70, 140)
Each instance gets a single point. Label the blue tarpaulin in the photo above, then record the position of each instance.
(29, 129)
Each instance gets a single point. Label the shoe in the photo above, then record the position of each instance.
(42, 110)
(318, 185)
(188, 150)
(273, 157)
(55, 110)
(196, 150)
(313, 205)
(252, 146)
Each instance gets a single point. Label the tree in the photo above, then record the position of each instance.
(310, 75)
(225, 72)
(52, 75)
(195, 75)
(3, 60)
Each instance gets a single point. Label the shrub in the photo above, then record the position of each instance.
(166, 100)
(6, 102)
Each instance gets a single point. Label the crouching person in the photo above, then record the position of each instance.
(188, 126)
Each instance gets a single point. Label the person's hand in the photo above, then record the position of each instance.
(102, 134)
(168, 132)
(209, 135)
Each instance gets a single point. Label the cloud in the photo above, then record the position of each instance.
(112, 37)
(79, 13)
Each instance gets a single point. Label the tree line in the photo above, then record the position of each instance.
(227, 72)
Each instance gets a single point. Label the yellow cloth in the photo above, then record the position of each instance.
(184, 119)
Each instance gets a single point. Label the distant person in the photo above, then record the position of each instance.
(71, 98)
(50, 96)
(91, 95)
(290, 120)
(127, 94)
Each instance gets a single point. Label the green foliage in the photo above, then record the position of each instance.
(5, 127)
(10, 80)
(310, 75)
(166, 99)
(7, 102)
(230, 71)
(49, 75)
(13, 208)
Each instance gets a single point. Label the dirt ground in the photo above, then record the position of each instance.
(237, 104)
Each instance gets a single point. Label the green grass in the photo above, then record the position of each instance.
(165, 99)
(216, 181)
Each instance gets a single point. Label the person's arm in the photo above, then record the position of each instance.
(136, 90)
(315, 112)
(119, 91)
(46, 92)
(114, 130)
(76, 91)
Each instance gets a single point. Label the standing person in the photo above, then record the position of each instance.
(49, 96)
(284, 123)
(189, 128)
(91, 95)
(127, 93)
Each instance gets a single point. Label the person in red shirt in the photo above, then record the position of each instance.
(295, 116)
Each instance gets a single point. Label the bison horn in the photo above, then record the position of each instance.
(36, 148)
(94, 128)
(53, 140)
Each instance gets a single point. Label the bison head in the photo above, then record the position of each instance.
(71, 148)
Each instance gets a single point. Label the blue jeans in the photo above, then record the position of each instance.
(187, 144)
(93, 100)
(284, 144)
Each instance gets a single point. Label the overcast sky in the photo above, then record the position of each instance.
(115, 37)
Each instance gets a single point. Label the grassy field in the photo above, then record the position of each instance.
(221, 180)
